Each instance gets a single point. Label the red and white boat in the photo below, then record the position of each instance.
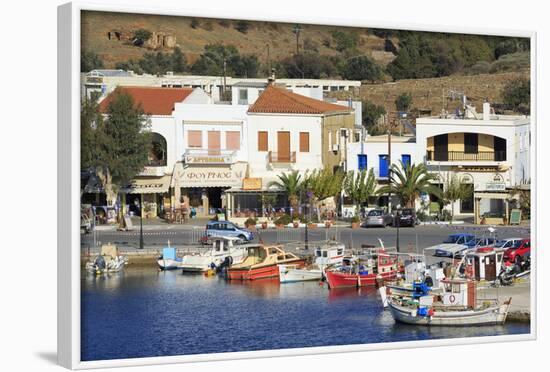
(262, 262)
(363, 271)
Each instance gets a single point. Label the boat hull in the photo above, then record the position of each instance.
(337, 279)
(169, 264)
(258, 272)
(489, 316)
(291, 275)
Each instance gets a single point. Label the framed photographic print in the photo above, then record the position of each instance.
(236, 188)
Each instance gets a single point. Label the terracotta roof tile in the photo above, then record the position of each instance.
(282, 101)
(153, 100)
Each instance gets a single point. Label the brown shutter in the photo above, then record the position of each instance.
(304, 141)
(214, 142)
(232, 140)
(194, 138)
(262, 141)
(283, 146)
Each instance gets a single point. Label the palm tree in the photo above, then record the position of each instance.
(409, 181)
(454, 190)
(323, 184)
(291, 184)
(359, 186)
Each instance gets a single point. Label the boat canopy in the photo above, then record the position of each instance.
(169, 253)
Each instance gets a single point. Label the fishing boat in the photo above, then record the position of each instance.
(457, 305)
(224, 252)
(363, 271)
(329, 254)
(108, 261)
(169, 259)
(262, 262)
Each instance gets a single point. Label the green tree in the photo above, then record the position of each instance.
(455, 190)
(308, 65)
(90, 61)
(178, 61)
(345, 41)
(361, 68)
(323, 184)
(359, 186)
(211, 62)
(121, 143)
(403, 102)
(141, 36)
(516, 95)
(90, 120)
(242, 26)
(408, 181)
(371, 114)
(291, 184)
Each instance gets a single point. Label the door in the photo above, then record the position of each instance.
(441, 144)
(500, 148)
(214, 143)
(476, 268)
(283, 146)
(490, 268)
(383, 164)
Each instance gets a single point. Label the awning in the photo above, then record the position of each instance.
(209, 176)
(156, 185)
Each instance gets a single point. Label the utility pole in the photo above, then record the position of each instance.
(297, 29)
(224, 77)
(389, 160)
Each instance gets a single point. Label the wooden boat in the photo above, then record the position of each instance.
(457, 305)
(223, 251)
(296, 273)
(262, 262)
(169, 259)
(363, 271)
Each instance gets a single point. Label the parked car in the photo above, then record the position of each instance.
(228, 229)
(508, 243)
(407, 217)
(478, 243)
(516, 255)
(378, 217)
(450, 246)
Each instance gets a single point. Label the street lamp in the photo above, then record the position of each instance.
(138, 205)
(398, 218)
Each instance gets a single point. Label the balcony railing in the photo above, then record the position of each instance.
(463, 156)
(200, 156)
(276, 157)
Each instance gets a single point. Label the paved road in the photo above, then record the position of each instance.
(411, 239)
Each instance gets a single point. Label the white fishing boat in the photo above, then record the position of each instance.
(224, 252)
(328, 254)
(169, 259)
(456, 305)
(108, 261)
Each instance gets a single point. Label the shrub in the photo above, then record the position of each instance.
(224, 23)
(141, 36)
(283, 220)
(511, 62)
(208, 26)
(250, 221)
(403, 102)
(195, 23)
(482, 67)
(516, 95)
(344, 40)
(361, 68)
(355, 219)
(242, 26)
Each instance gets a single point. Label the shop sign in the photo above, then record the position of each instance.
(212, 177)
(495, 186)
(252, 184)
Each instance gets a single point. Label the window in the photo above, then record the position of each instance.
(361, 161)
(470, 143)
(262, 141)
(304, 141)
(194, 138)
(243, 96)
(329, 140)
(406, 159)
(232, 140)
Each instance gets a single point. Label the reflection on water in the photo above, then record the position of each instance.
(144, 312)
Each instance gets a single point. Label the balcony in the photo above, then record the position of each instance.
(281, 158)
(200, 156)
(463, 157)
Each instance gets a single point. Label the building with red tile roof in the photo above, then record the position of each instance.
(153, 100)
(278, 100)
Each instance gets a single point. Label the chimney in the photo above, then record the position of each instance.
(486, 111)
(271, 79)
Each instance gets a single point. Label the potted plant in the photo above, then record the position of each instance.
(296, 220)
(264, 224)
(282, 221)
(250, 223)
(328, 223)
(355, 222)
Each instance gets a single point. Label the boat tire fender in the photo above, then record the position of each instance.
(452, 299)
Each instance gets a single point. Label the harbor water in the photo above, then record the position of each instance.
(144, 313)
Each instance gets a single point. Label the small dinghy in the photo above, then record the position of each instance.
(108, 261)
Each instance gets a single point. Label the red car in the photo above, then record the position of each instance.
(516, 254)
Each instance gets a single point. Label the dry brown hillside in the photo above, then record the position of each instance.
(279, 36)
(432, 94)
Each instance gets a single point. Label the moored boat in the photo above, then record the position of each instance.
(108, 261)
(169, 259)
(363, 271)
(262, 262)
(223, 252)
(295, 273)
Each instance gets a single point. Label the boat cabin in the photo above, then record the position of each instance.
(329, 254)
(459, 292)
(266, 255)
(483, 263)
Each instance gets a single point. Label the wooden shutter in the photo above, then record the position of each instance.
(232, 140)
(304, 141)
(262, 141)
(194, 138)
(283, 146)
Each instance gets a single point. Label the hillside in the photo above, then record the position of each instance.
(432, 94)
(279, 36)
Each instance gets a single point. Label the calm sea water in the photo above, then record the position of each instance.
(144, 313)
